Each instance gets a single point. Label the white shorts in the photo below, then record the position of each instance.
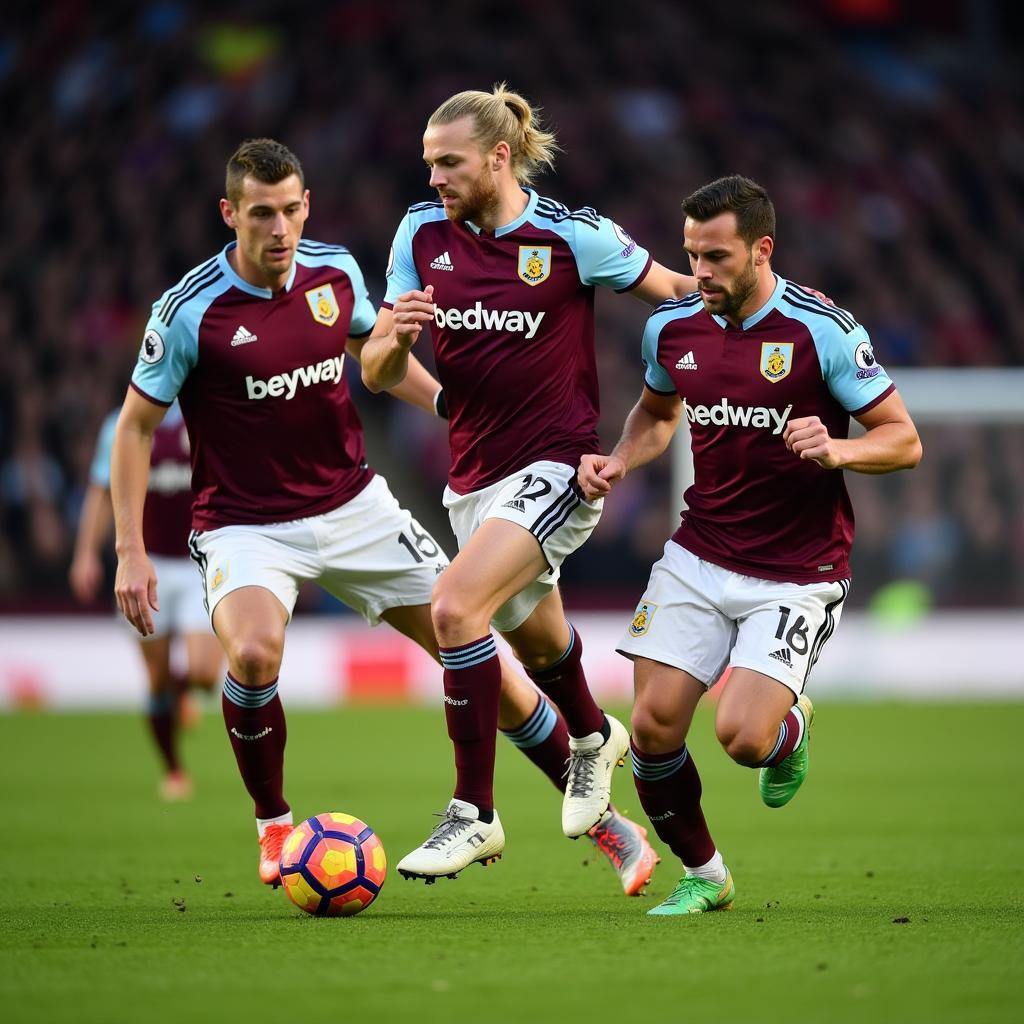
(180, 595)
(699, 617)
(369, 553)
(544, 499)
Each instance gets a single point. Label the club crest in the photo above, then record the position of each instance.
(323, 305)
(534, 263)
(642, 618)
(776, 360)
(220, 574)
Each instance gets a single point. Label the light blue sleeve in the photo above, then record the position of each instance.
(169, 353)
(401, 273)
(656, 377)
(607, 256)
(364, 313)
(99, 471)
(849, 367)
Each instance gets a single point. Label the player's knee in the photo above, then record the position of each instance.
(742, 741)
(255, 661)
(451, 612)
(653, 729)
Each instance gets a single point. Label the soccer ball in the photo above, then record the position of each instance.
(333, 865)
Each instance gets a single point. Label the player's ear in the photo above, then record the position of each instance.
(500, 156)
(227, 211)
(763, 250)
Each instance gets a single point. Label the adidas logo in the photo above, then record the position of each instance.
(442, 262)
(687, 362)
(517, 503)
(243, 336)
(783, 656)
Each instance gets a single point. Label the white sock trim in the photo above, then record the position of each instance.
(713, 871)
(262, 823)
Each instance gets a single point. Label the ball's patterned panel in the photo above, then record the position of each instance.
(375, 863)
(333, 865)
(335, 818)
(296, 842)
(301, 893)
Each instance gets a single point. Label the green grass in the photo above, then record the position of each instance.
(910, 811)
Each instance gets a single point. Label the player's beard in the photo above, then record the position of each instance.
(735, 298)
(478, 201)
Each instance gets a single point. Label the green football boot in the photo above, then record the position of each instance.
(778, 784)
(696, 896)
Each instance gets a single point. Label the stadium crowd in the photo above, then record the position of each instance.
(891, 136)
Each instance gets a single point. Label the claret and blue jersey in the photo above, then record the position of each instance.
(167, 514)
(755, 507)
(274, 433)
(514, 328)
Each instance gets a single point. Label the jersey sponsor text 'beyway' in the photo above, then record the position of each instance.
(288, 383)
(260, 379)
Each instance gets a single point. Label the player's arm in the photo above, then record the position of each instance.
(135, 584)
(647, 432)
(660, 284)
(890, 441)
(418, 386)
(385, 357)
(86, 572)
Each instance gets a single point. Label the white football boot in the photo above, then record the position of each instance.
(588, 786)
(460, 840)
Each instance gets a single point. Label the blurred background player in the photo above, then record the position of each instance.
(165, 527)
(253, 340)
(756, 575)
(507, 278)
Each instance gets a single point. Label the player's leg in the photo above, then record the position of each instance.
(251, 623)
(764, 716)
(384, 565)
(497, 562)
(162, 715)
(669, 785)
(204, 658)
(534, 725)
(679, 640)
(204, 672)
(530, 722)
(464, 598)
(552, 653)
(251, 576)
(750, 709)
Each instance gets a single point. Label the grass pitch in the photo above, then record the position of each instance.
(889, 890)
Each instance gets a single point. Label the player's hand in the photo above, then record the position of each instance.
(135, 590)
(820, 296)
(410, 312)
(598, 474)
(85, 576)
(808, 437)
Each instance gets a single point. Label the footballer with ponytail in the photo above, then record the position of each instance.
(503, 115)
(506, 279)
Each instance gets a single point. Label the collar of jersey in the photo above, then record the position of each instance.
(531, 205)
(755, 318)
(241, 283)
